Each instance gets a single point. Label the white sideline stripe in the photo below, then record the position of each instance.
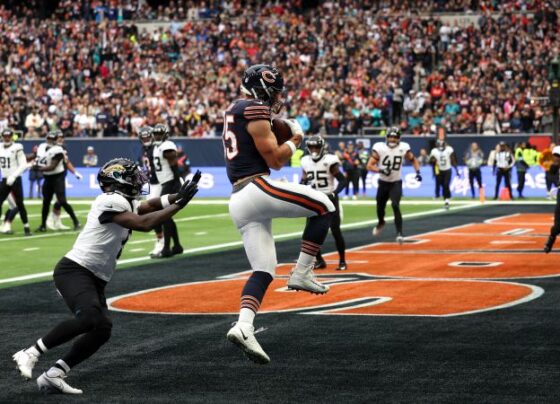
(31, 249)
(64, 214)
(240, 243)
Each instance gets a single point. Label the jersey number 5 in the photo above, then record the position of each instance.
(229, 139)
(320, 181)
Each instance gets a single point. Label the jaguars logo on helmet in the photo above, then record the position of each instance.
(393, 137)
(264, 83)
(161, 133)
(122, 176)
(145, 134)
(316, 147)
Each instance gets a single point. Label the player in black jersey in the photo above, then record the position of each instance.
(251, 150)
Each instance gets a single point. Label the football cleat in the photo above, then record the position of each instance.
(378, 229)
(400, 238)
(41, 229)
(446, 205)
(549, 244)
(25, 363)
(164, 253)
(341, 266)
(177, 250)
(157, 247)
(27, 231)
(243, 336)
(306, 281)
(51, 382)
(320, 264)
(77, 226)
(51, 221)
(7, 228)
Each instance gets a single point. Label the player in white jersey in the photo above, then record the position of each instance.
(13, 163)
(146, 136)
(81, 276)
(442, 157)
(167, 172)
(51, 163)
(387, 159)
(320, 169)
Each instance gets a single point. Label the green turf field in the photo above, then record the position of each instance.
(204, 226)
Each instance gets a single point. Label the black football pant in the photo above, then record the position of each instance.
(363, 176)
(352, 176)
(17, 191)
(520, 182)
(55, 185)
(443, 179)
(550, 179)
(505, 174)
(84, 294)
(169, 226)
(475, 174)
(336, 232)
(393, 191)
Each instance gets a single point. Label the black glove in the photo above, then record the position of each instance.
(332, 196)
(418, 176)
(188, 190)
(385, 171)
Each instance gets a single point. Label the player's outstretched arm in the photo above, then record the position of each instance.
(335, 171)
(155, 204)
(276, 156)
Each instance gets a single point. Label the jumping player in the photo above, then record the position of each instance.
(82, 274)
(13, 163)
(320, 169)
(387, 159)
(251, 150)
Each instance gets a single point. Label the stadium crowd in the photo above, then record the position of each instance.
(351, 65)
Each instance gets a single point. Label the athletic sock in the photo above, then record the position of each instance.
(252, 295)
(59, 369)
(309, 251)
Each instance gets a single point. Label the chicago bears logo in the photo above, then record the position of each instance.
(430, 275)
(268, 76)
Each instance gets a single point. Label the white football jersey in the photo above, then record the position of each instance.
(161, 165)
(12, 159)
(391, 160)
(47, 158)
(319, 172)
(99, 245)
(443, 157)
(42, 149)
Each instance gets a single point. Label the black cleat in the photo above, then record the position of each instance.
(549, 243)
(177, 249)
(77, 226)
(164, 253)
(320, 265)
(27, 231)
(341, 266)
(41, 229)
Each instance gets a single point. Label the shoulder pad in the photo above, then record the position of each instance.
(111, 202)
(331, 159)
(168, 145)
(254, 110)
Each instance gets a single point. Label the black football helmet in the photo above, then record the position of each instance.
(264, 83)
(393, 137)
(440, 144)
(52, 136)
(122, 176)
(7, 137)
(161, 133)
(146, 135)
(317, 143)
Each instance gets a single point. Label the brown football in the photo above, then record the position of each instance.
(281, 130)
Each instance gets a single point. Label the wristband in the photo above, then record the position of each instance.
(164, 201)
(291, 145)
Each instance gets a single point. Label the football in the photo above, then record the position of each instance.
(281, 130)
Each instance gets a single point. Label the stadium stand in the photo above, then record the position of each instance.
(361, 64)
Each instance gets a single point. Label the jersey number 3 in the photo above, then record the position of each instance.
(230, 141)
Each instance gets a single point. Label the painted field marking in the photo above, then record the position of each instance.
(31, 249)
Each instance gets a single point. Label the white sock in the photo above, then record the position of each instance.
(304, 262)
(33, 351)
(57, 371)
(246, 315)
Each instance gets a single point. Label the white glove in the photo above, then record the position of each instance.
(551, 194)
(10, 180)
(295, 127)
(78, 175)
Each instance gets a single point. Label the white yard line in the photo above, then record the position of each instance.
(240, 243)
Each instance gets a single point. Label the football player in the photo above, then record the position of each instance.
(54, 221)
(320, 169)
(442, 157)
(10, 215)
(167, 172)
(387, 159)
(13, 163)
(51, 163)
(251, 150)
(555, 229)
(146, 136)
(82, 274)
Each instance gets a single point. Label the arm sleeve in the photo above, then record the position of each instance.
(341, 182)
(21, 162)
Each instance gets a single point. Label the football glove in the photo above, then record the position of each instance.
(418, 176)
(78, 176)
(10, 180)
(295, 128)
(188, 190)
(385, 171)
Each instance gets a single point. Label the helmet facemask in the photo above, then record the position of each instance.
(7, 138)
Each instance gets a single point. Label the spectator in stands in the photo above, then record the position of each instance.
(423, 157)
(90, 158)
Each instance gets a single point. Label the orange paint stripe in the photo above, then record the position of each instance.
(289, 197)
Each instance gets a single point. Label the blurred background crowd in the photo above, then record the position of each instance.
(93, 69)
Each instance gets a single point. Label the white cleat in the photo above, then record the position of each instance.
(306, 281)
(243, 336)
(6, 228)
(378, 229)
(158, 248)
(25, 363)
(55, 384)
(51, 222)
(400, 238)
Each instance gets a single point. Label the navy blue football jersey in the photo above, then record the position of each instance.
(242, 157)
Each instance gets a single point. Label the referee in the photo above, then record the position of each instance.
(52, 165)
(503, 162)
